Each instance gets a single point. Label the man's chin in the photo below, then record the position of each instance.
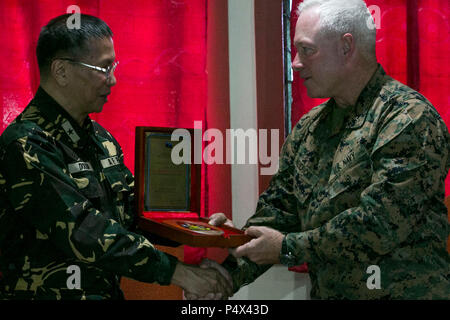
(98, 109)
(313, 95)
(316, 94)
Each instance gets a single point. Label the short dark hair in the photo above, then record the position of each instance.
(56, 38)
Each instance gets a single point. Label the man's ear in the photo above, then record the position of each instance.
(348, 45)
(58, 70)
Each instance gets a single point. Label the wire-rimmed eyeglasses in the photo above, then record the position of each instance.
(107, 71)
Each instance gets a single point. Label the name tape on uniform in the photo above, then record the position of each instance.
(109, 162)
(80, 166)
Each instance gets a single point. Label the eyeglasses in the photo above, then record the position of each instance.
(107, 71)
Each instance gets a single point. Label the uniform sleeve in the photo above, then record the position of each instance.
(403, 201)
(46, 197)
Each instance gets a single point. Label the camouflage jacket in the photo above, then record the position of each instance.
(359, 187)
(66, 200)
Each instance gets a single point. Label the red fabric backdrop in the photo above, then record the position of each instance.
(161, 78)
(413, 46)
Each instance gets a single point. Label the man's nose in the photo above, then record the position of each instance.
(111, 81)
(297, 65)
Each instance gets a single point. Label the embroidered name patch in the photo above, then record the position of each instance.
(109, 162)
(80, 167)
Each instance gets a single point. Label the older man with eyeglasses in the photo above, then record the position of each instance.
(66, 197)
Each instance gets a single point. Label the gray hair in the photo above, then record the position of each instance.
(338, 17)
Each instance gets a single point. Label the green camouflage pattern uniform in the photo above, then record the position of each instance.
(359, 187)
(66, 199)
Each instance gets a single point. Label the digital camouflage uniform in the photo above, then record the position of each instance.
(359, 187)
(66, 199)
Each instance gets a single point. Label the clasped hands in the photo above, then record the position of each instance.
(211, 280)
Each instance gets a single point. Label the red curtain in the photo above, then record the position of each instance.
(161, 78)
(413, 46)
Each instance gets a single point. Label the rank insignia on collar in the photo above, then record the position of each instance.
(70, 131)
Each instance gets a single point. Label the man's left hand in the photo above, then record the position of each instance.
(264, 248)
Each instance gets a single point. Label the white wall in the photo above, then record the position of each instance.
(278, 282)
(244, 177)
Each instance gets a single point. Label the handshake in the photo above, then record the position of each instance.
(210, 280)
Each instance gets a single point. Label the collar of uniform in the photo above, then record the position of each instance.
(366, 99)
(319, 113)
(336, 117)
(325, 113)
(58, 117)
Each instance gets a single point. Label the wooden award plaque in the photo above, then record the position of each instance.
(168, 190)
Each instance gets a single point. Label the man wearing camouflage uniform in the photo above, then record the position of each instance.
(66, 196)
(360, 185)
